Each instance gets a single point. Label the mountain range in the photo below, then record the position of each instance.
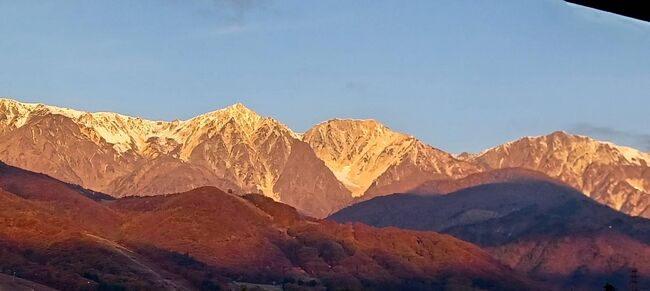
(332, 165)
(230, 199)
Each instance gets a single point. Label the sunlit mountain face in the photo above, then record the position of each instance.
(333, 164)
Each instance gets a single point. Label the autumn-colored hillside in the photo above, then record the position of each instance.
(64, 237)
(252, 238)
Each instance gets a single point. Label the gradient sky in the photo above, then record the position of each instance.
(460, 75)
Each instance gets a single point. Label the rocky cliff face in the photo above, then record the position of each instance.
(612, 175)
(370, 159)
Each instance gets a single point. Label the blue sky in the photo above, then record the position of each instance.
(460, 75)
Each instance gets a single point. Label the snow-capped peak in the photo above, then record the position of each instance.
(133, 133)
(237, 111)
(247, 120)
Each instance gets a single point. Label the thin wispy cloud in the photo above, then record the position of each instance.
(237, 11)
(233, 13)
(355, 86)
(231, 16)
(229, 29)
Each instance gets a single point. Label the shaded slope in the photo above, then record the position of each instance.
(307, 184)
(165, 175)
(62, 235)
(444, 186)
(40, 242)
(549, 230)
